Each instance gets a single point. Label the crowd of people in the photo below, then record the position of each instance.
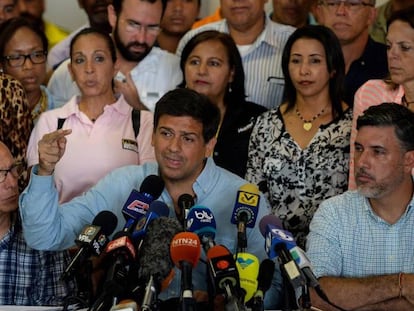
(311, 103)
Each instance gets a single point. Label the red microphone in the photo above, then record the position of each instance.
(185, 252)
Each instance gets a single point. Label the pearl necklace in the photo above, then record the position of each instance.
(307, 124)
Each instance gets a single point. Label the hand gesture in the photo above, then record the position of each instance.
(51, 149)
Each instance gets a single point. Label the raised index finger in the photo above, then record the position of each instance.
(56, 135)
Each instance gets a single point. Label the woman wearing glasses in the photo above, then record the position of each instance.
(23, 51)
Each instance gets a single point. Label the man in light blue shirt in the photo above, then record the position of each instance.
(185, 126)
(361, 242)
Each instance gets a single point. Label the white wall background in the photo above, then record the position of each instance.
(67, 13)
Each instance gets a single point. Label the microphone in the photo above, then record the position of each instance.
(155, 264)
(245, 212)
(92, 240)
(156, 209)
(277, 242)
(185, 202)
(185, 253)
(224, 276)
(264, 281)
(200, 220)
(121, 262)
(248, 268)
(137, 204)
(270, 227)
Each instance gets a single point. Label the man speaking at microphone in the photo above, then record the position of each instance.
(361, 242)
(185, 127)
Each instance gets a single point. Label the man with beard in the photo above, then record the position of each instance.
(145, 72)
(178, 18)
(97, 13)
(360, 242)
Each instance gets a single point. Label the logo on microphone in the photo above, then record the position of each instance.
(138, 206)
(203, 216)
(248, 198)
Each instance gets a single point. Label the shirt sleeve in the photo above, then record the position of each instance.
(324, 248)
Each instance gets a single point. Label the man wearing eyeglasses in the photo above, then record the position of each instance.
(27, 276)
(351, 20)
(145, 72)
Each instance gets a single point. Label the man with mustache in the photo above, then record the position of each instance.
(145, 72)
(360, 242)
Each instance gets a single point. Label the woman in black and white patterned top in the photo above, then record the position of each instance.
(299, 153)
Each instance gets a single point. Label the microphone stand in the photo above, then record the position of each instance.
(305, 299)
(289, 297)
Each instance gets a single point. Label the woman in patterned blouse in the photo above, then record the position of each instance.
(299, 153)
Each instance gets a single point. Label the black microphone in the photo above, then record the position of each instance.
(264, 280)
(156, 268)
(185, 202)
(92, 240)
(224, 277)
(137, 204)
(245, 212)
(121, 265)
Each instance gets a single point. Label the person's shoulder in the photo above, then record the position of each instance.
(377, 87)
(161, 57)
(342, 204)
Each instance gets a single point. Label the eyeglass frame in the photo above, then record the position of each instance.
(134, 26)
(349, 4)
(16, 57)
(17, 173)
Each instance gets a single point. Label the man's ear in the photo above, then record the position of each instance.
(210, 147)
(112, 18)
(409, 161)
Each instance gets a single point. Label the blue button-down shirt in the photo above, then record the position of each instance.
(50, 226)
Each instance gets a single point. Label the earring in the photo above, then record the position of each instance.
(230, 90)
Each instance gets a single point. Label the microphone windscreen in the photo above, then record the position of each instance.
(152, 185)
(107, 221)
(185, 246)
(269, 220)
(159, 208)
(248, 267)
(266, 270)
(154, 256)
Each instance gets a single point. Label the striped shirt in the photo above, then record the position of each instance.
(262, 62)
(347, 239)
(373, 92)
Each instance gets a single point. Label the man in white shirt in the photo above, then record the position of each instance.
(145, 72)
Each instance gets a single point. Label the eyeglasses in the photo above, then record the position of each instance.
(132, 26)
(37, 57)
(16, 170)
(351, 5)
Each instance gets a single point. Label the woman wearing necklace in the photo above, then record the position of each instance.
(23, 50)
(299, 153)
(399, 87)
